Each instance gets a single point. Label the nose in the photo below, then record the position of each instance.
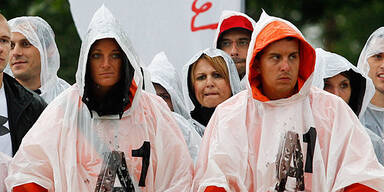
(106, 62)
(284, 65)
(210, 82)
(17, 50)
(234, 50)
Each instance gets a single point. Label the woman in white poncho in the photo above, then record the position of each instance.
(337, 75)
(209, 78)
(40, 34)
(90, 139)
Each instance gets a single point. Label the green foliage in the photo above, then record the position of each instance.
(345, 25)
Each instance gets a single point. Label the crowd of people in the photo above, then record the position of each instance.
(260, 110)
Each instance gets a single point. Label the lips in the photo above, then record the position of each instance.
(210, 94)
(19, 63)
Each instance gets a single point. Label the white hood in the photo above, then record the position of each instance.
(104, 25)
(225, 15)
(40, 35)
(164, 73)
(374, 45)
(330, 64)
(233, 76)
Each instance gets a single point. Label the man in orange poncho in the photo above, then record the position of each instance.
(281, 134)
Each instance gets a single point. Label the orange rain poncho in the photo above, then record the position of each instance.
(72, 148)
(310, 141)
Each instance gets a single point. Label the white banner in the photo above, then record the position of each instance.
(180, 28)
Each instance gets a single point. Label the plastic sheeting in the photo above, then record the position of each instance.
(4, 161)
(69, 150)
(164, 73)
(374, 117)
(40, 34)
(310, 141)
(233, 79)
(225, 15)
(330, 64)
(233, 76)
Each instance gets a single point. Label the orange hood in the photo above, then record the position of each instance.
(272, 32)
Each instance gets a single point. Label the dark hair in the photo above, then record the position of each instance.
(118, 96)
(358, 86)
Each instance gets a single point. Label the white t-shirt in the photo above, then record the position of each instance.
(5, 136)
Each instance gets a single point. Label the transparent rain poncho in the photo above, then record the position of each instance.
(164, 73)
(374, 116)
(4, 161)
(40, 34)
(72, 148)
(226, 14)
(233, 79)
(330, 64)
(311, 141)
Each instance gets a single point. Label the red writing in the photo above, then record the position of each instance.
(205, 7)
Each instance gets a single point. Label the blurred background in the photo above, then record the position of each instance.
(337, 26)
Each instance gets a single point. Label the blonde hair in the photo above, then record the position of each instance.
(218, 63)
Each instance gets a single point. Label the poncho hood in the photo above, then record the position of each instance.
(231, 20)
(40, 34)
(104, 25)
(330, 64)
(268, 30)
(211, 52)
(164, 73)
(373, 46)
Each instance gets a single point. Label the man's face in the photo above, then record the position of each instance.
(376, 71)
(25, 58)
(5, 44)
(279, 68)
(235, 43)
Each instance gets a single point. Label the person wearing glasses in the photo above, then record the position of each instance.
(233, 35)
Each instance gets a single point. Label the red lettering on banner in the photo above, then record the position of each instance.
(205, 7)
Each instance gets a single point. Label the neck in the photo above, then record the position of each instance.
(378, 99)
(31, 84)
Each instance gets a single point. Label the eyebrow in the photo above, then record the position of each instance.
(6, 37)
(115, 50)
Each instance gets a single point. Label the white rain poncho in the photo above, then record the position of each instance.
(226, 14)
(164, 73)
(252, 143)
(374, 116)
(40, 34)
(71, 149)
(330, 64)
(4, 161)
(233, 79)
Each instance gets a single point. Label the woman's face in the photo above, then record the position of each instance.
(210, 86)
(105, 62)
(339, 85)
